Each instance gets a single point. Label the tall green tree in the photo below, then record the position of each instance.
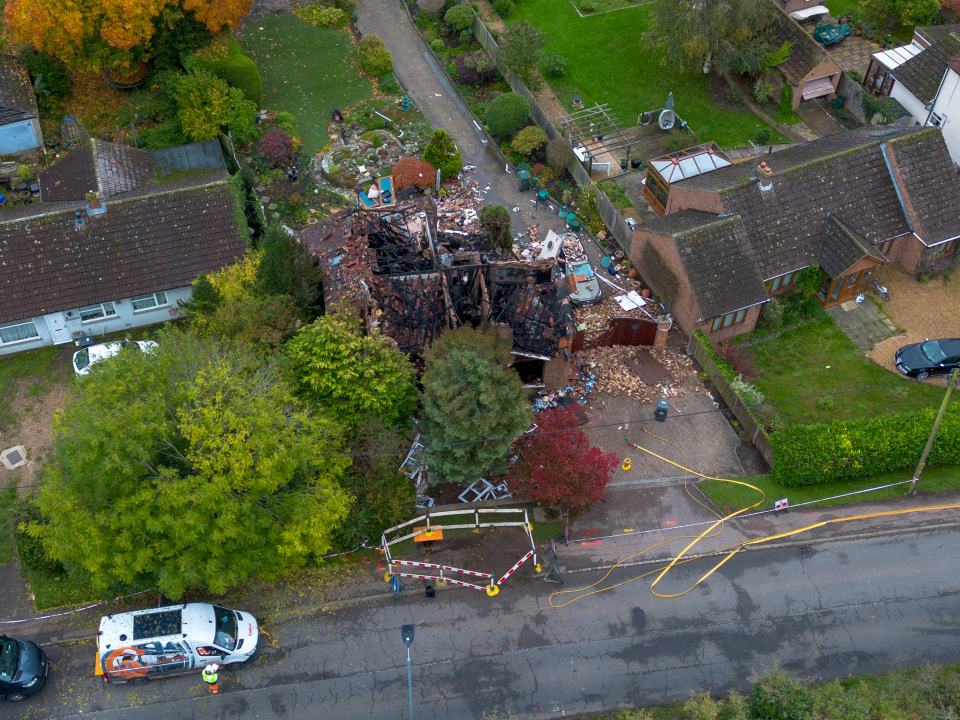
(287, 269)
(520, 50)
(443, 154)
(207, 106)
(473, 409)
(700, 34)
(193, 467)
(889, 13)
(352, 376)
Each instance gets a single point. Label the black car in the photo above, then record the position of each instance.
(933, 357)
(23, 668)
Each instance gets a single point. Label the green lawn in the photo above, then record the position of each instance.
(588, 7)
(609, 61)
(35, 368)
(727, 496)
(815, 374)
(307, 71)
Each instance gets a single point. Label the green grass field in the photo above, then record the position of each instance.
(727, 496)
(307, 71)
(815, 374)
(610, 61)
(589, 7)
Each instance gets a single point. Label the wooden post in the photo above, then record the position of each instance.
(933, 433)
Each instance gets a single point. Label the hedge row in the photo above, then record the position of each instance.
(851, 449)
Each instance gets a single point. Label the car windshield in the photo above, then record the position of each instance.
(9, 654)
(932, 352)
(226, 636)
(82, 359)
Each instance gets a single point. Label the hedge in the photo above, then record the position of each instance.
(851, 449)
(225, 59)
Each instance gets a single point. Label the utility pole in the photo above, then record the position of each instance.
(933, 433)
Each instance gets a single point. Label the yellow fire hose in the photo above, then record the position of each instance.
(597, 587)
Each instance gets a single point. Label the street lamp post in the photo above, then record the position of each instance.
(406, 632)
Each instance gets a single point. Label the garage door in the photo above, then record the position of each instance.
(817, 88)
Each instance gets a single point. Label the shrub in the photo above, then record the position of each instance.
(208, 104)
(520, 50)
(50, 81)
(555, 65)
(503, 7)
(437, 45)
(507, 114)
(528, 140)
(890, 110)
(772, 314)
(224, 58)
(459, 17)
(375, 59)
(410, 172)
(763, 91)
(776, 696)
(276, 147)
(748, 392)
(287, 122)
(495, 220)
(701, 706)
(323, 15)
(739, 358)
(475, 68)
(763, 136)
(443, 154)
(559, 154)
(851, 449)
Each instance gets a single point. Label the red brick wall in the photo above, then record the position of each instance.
(684, 307)
(748, 324)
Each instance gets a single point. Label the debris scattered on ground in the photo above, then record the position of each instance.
(596, 318)
(458, 212)
(618, 371)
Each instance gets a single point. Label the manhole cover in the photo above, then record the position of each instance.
(13, 457)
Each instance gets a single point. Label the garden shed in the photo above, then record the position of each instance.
(19, 119)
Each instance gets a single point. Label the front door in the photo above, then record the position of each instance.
(57, 326)
(846, 287)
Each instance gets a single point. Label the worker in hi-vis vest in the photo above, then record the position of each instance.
(211, 678)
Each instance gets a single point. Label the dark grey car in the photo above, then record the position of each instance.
(931, 357)
(23, 668)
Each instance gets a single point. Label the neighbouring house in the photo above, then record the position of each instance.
(677, 166)
(924, 77)
(798, 6)
(809, 71)
(733, 238)
(115, 244)
(19, 118)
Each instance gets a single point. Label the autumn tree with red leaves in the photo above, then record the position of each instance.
(558, 468)
(111, 34)
(413, 172)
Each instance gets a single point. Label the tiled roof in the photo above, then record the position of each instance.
(840, 247)
(206, 154)
(954, 63)
(16, 91)
(718, 268)
(928, 181)
(806, 53)
(922, 73)
(158, 237)
(677, 222)
(661, 278)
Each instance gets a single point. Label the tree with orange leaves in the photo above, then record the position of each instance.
(111, 34)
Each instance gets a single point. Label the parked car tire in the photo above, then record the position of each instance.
(139, 681)
(16, 697)
(922, 375)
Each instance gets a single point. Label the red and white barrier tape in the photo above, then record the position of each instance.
(445, 568)
(512, 570)
(461, 583)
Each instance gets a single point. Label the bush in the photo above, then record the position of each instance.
(225, 59)
(554, 65)
(410, 172)
(851, 449)
(375, 59)
(475, 68)
(495, 220)
(287, 122)
(890, 110)
(763, 91)
(528, 140)
(50, 81)
(322, 15)
(776, 696)
(507, 114)
(559, 154)
(503, 7)
(701, 706)
(459, 17)
(763, 136)
(443, 154)
(437, 45)
(206, 105)
(276, 148)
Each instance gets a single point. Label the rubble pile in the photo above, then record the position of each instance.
(616, 370)
(458, 212)
(596, 318)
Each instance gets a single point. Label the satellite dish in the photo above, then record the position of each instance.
(667, 119)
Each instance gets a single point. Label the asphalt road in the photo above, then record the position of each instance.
(846, 607)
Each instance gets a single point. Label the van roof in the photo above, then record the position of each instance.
(196, 621)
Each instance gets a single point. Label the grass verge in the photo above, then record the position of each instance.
(610, 61)
(729, 497)
(34, 368)
(815, 373)
(306, 70)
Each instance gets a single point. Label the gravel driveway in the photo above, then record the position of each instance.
(924, 310)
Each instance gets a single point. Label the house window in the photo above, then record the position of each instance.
(935, 120)
(782, 282)
(148, 302)
(725, 321)
(95, 312)
(17, 332)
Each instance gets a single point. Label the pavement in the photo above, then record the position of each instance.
(863, 323)
(851, 606)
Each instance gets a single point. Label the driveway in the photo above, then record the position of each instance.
(823, 611)
(431, 89)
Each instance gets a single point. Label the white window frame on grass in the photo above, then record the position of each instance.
(92, 313)
(155, 300)
(25, 335)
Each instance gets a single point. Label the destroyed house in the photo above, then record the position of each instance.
(412, 279)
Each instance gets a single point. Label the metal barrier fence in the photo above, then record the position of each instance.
(611, 217)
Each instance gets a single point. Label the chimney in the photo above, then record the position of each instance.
(95, 206)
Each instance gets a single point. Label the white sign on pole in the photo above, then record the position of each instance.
(781, 504)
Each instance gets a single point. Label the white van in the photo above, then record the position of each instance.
(144, 644)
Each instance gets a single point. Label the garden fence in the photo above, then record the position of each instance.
(739, 409)
(611, 217)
